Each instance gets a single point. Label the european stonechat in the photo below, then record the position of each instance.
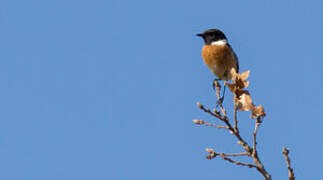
(218, 55)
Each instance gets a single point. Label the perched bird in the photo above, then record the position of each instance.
(218, 55)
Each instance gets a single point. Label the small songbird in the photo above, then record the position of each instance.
(218, 55)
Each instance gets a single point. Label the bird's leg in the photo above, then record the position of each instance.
(215, 82)
(222, 98)
(220, 101)
(217, 87)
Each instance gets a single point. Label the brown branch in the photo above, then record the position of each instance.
(215, 114)
(260, 166)
(215, 125)
(235, 154)
(252, 152)
(241, 141)
(254, 155)
(201, 122)
(257, 124)
(223, 156)
(230, 128)
(242, 102)
(213, 154)
(235, 115)
(291, 175)
(218, 88)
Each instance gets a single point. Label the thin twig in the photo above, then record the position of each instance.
(252, 152)
(291, 175)
(218, 88)
(215, 125)
(257, 124)
(235, 161)
(235, 114)
(201, 122)
(215, 114)
(254, 155)
(235, 154)
(230, 128)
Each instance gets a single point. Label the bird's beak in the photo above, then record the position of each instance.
(201, 35)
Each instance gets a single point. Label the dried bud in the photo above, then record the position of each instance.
(231, 132)
(197, 121)
(244, 101)
(258, 112)
(233, 73)
(239, 81)
(245, 75)
(199, 105)
(232, 87)
(209, 150)
(240, 142)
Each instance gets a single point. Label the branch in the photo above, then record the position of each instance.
(291, 175)
(235, 116)
(254, 155)
(236, 162)
(218, 88)
(215, 114)
(252, 152)
(235, 154)
(242, 102)
(230, 128)
(257, 124)
(201, 122)
(213, 154)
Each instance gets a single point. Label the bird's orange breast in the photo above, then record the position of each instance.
(220, 59)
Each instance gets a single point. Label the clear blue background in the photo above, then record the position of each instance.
(108, 89)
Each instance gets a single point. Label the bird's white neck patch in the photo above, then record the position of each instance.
(219, 42)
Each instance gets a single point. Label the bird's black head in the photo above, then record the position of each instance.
(212, 35)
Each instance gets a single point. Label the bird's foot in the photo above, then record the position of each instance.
(215, 83)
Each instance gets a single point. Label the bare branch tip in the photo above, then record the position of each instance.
(285, 151)
(291, 175)
(199, 105)
(211, 152)
(198, 122)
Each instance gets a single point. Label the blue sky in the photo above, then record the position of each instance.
(108, 89)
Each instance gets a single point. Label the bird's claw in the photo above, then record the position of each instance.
(215, 81)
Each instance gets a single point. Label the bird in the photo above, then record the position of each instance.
(218, 55)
